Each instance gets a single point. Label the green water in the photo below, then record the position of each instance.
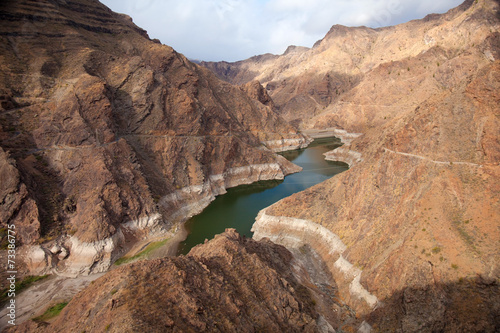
(239, 207)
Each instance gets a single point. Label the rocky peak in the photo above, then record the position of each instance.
(256, 91)
(295, 49)
(349, 54)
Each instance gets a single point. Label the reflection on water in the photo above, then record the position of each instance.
(240, 205)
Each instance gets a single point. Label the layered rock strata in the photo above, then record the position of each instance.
(107, 137)
(295, 233)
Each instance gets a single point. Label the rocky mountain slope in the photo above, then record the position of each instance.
(411, 231)
(229, 284)
(372, 75)
(409, 234)
(107, 137)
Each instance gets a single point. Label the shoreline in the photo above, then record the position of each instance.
(58, 288)
(343, 135)
(171, 247)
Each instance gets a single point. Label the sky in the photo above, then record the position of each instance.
(231, 30)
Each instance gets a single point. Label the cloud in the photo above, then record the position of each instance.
(238, 29)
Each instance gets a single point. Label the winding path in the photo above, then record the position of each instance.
(436, 162)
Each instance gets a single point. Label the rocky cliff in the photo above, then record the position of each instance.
(107, 137)
(411, 231)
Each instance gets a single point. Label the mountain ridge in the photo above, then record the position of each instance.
(111, 137)
(319, 79)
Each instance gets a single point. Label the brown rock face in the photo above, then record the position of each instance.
(229, 284)
(411, 231)
(18, 207)
(112, 136)
(134, 132)
(255, 90)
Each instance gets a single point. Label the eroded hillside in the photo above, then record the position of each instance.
(117, 124)
(412, 229)
(108, 137)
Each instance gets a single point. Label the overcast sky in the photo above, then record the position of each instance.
(232, 30)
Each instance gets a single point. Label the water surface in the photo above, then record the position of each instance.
(239, 207)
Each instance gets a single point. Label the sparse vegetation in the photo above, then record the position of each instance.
(466, 237)
(152, 246)
(454, 266)
(156, 198)
(51, 312)
(3, 237)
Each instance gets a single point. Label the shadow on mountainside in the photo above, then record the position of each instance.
(468, 305)
(498, 11)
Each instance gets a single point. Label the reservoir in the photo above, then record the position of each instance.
(239, 207)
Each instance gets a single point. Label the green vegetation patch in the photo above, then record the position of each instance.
(151, 247)
(51, 312)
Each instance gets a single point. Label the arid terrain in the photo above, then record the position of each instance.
(413, 226)
(228, 284)
(108, 138)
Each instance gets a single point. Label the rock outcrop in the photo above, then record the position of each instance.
(107, 137)
(418, 212)
(229, 284)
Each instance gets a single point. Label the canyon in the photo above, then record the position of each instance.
(108, 138)
(412, 227)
